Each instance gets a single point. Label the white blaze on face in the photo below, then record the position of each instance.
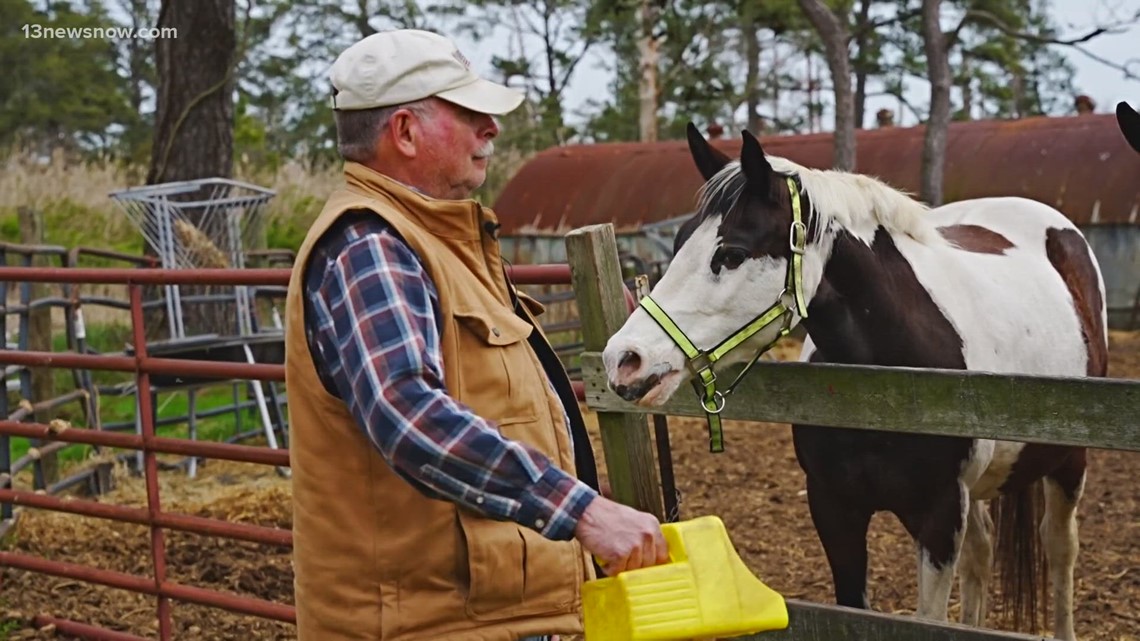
(643, 363)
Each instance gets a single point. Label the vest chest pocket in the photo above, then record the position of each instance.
(497, 376)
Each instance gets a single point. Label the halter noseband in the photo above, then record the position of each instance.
(701, 361)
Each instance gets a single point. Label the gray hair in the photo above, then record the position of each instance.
(358, 129)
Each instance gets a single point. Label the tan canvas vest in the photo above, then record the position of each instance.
(374, 558)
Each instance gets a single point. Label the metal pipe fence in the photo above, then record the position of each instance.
(49, 436)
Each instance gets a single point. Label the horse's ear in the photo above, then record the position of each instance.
(757, 169)
(1129, 122)
(708, 159)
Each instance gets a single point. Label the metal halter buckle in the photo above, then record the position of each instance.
(717, 398)
(700, 363)
(797, 225)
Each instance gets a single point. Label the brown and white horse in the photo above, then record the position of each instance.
(997, 284)
(1129, 122)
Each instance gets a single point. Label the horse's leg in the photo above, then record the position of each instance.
(1063, 490)
(938, 531)
(842, 530)
(976, 563)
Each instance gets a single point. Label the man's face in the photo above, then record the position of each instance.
(455, 149)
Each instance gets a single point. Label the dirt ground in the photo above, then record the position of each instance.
(756, 487)
(234, 491)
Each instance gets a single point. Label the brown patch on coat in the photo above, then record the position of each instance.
(977, 239)
(1070, 256)
(1063, 463)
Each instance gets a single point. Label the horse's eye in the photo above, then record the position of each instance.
(734, 256)
(729, 257)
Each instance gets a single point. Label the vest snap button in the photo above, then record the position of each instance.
(540, 523)
(495, 331)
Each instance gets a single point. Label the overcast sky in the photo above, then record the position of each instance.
(1105, 85)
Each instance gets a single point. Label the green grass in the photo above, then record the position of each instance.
(8, 626)
(71, 224)
(169, 405)
(122, 408)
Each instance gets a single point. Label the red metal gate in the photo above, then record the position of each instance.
(154, 517)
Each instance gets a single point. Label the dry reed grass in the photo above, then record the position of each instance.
(27, 181)
(48, 186)
(74, 196)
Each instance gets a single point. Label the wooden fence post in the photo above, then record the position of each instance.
(598, 287)
(39, 335)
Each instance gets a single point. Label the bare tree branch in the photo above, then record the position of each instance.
(978, 15)
(883, 22)
(360, 19)
(780, 124)
(951, 36)
(532, 26)
(1122, 68)
(548, 44)
(569, 70)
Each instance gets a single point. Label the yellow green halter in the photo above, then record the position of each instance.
(700, 361)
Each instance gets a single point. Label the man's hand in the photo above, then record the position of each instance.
(621, 537)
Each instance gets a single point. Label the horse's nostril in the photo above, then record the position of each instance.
(630, 361)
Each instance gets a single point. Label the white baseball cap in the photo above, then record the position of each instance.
(395, 67)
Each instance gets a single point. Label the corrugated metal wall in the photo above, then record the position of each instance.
(1080, 164)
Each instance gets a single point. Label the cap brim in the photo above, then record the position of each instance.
(485, 97)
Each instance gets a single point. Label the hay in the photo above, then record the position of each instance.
(199, 246)
(236, 492)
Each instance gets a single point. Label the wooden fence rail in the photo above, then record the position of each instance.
(1073, 411)
(1089, 412)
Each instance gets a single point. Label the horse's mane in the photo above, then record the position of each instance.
(855, 202)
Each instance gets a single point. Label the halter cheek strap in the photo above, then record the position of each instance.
(700, 362)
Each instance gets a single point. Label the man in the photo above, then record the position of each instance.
(443, 484)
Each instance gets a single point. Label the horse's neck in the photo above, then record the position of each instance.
(836, 316)
(871, 309)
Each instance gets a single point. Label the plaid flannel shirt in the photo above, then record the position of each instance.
(373, 328)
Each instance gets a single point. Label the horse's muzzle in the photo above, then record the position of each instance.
(636, 391)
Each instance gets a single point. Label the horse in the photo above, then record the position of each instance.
(876, 277)
(1129, 122)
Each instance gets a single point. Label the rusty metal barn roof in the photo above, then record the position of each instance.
(1079, 164)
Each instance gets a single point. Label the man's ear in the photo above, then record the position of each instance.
(402, 133)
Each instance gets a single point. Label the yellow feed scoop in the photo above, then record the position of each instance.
(704, 591)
